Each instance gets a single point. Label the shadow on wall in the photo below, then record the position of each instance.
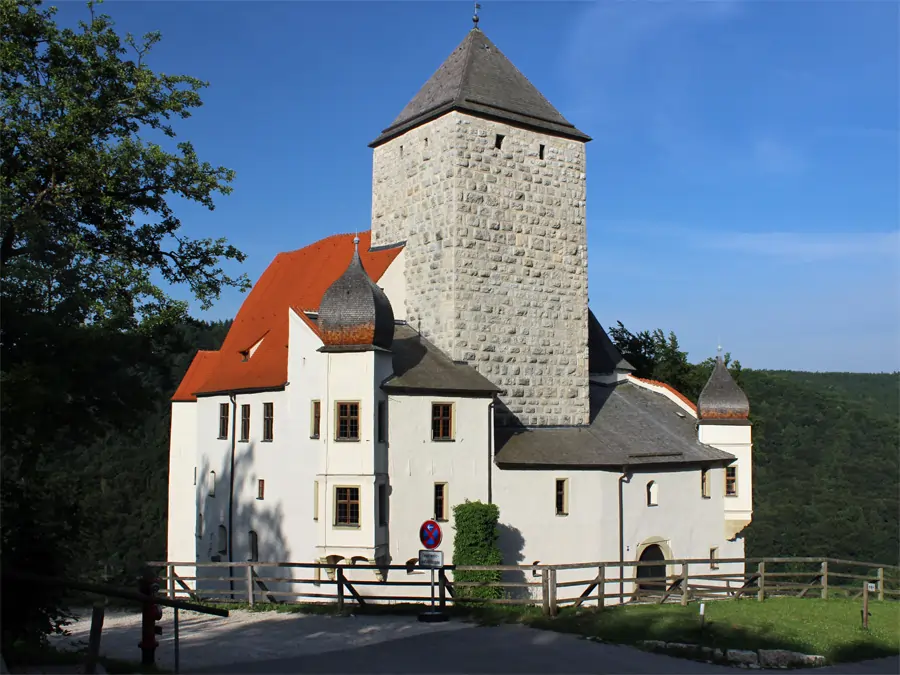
(512, 546)
(255, 528)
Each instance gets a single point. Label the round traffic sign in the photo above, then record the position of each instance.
(430, 534)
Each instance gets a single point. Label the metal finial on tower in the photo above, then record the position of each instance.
(356, 242)
(475, 16)
(719, 348)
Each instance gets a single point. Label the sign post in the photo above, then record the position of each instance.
(430, 535)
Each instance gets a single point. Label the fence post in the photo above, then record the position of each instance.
(881, 583)
(825, 580)
(552, 589)
(170, 581)
(761, 582)
(93, 653)
(250, 594)
(601, 586)
(545, 591)
(685, 590)
(442, 588)
(340, 588)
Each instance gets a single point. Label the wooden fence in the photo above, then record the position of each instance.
(596, 583)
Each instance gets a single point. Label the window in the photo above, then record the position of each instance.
(652, 493)
(223, 540)
(498, 141)
(195, 475)
(381, 421)
(346, 506)
(382, 504)
(223, 420)
(731, 481)
(562, 496)
(315, 419)
(268, 421)
(245, 422)
(254, 547)
(541, 152)
(713, 558)
(442, 421)
(348, 421)
(199, 524)
(440, 502)
(315, 500)
(212, 483)
(260, 489)
(704, 483)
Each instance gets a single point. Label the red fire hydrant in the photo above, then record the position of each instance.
(148, 585)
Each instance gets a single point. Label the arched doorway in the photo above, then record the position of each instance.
(652, 553)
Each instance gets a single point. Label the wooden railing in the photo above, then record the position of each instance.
(550, 586)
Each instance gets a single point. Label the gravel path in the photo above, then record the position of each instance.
(270, 642)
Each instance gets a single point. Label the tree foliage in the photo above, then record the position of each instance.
(476, 543)
(88, 235)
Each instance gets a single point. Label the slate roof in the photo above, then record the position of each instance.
(420, 367)
(354, 311)
(630, 426)
(295, 279)
(722, 398)
(603, 355)
(478, 79)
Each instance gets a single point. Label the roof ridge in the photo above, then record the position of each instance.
(467, 45)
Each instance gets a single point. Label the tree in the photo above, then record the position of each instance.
(87, 227)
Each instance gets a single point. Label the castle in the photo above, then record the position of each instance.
(448, 354)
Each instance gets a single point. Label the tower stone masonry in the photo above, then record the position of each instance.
(487, 190)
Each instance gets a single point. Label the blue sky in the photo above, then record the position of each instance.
(742, 181)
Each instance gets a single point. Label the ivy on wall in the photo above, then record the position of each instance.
(475, 543)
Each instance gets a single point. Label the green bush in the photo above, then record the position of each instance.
(475, 543)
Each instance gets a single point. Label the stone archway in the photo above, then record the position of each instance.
(652, 553)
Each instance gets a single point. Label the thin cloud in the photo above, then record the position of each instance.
(773, 156)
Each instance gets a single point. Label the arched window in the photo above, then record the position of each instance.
(254, 547)
(223, 540)
(652, 493)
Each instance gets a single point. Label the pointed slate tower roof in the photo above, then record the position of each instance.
(722, 398)
(478, 79)
(355, 313)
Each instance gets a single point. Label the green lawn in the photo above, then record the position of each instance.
(831, 628)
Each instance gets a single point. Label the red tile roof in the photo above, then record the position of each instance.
(297, 279)
(670, 388)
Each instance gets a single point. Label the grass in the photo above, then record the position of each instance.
(830, 628)
(48, 655)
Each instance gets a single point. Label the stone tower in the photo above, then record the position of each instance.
(484, 181)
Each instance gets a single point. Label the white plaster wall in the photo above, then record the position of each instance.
(417, 463)
(393, 283)
(736, 439)
(182, 507)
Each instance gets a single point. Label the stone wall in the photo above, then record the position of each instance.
(497, 255)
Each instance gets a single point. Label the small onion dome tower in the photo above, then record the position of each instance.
(722, 398)
(355, 314)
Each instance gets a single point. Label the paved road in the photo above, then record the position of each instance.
(292, 643)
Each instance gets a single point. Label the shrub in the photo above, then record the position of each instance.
(475, 543)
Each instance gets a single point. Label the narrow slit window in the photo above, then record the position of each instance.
(714, 558)
(223, 540)
(195, 475)
(541, 151)
(382, 420)
(268, 421)
(498, 141)
(704, 483)
(440, 502)
(316, 419)
(652, 493)
(223, 420)
(212, 483)
(382, 504)
(731, 481)
(245, 422)
(315, 500)
(562, 496)
(254, 547)
(348, 421)
(260, 489)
